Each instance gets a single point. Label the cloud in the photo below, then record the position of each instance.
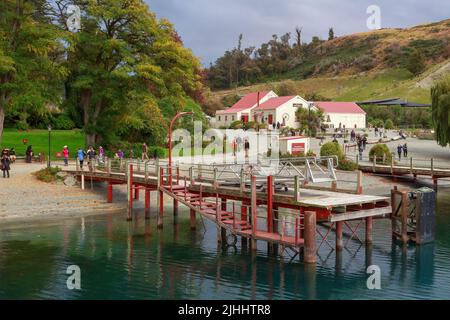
(209, 27)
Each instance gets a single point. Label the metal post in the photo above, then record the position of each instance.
(82, 181)
(310, 237)
(359, 177)
(242, 178)
(297, 188)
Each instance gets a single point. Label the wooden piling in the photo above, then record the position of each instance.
(130, 192)
(193, 219)
(310, 237)
(339, 237)
(369, 226)
(359, 177)
(147, 203)
(253, 211)
(110, 193)
(175, 207)
(269, 203)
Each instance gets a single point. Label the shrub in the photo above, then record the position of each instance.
(347, 165)
(262, 126)
(377, 123)
(250, 125)
(380, 151)
(332, 149)
(389, 124)
(48, 174)
(22, 125)
(236, 124)
(310, 153)
(63, 122)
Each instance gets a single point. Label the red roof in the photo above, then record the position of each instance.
(339, 107)
(274, 103)
(246, 102)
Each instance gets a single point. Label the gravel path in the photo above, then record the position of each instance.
(23, 197)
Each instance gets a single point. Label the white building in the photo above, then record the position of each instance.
(241, 109)
(342, 114)
(280, 110)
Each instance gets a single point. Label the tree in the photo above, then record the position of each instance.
(440, 99)
(121, 56)
(30, 56)
(309, 120)
(330, 34)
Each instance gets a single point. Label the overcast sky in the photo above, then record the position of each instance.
(209, 27)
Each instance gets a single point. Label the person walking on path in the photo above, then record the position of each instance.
(234, 147)
(364, 142)
(91, 157)
(144, 151)
(66, 155)
(246, 147)
(80, 157)
(360, 150)
(353, 135)
(5, 163)
(399, 151)
(405, 150)
(376, 131)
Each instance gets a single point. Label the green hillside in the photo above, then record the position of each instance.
(378, 64)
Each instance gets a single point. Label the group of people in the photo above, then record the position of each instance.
(236, 146)
(379, 132)
(402, 149)
(91, 155)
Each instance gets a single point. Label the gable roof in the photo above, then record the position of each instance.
(246, 102)
(339, 107)
(274, 103)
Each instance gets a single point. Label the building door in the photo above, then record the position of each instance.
(270, 119)
(244, 118)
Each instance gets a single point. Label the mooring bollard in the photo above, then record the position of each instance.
(310, 252)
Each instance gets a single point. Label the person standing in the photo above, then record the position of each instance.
(101, 154)
(5, 163)
(91, 157)
(399, 151)
(376, 131)
(66, 155)
(144, 151)
(29, 154)
(405, 150)
(80, 157)
(234, 147)
(364, 142)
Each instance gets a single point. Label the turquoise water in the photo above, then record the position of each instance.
(134, 260)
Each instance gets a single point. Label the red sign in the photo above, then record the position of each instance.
(24, 141)
(58, 155)
(297, 148)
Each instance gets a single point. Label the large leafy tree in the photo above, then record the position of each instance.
(440, 97)
(123, 56)
(30, 56)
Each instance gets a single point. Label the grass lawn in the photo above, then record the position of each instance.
(39, 140)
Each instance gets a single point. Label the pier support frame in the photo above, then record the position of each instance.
(193, 219)
(110, 192)
(369, 227)
(147, 203)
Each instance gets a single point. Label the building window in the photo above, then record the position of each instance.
(226, 118)
(219, 118)
(232, 118)
(328, 118)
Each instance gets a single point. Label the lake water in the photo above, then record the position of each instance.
(134, 260)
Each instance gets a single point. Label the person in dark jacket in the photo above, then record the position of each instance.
(399, 151)
(405, 150)
(29, 154)
(5, 162)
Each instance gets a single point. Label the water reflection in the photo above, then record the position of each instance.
(134, 259)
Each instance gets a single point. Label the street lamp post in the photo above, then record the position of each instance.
(178, 115)
(49, 137)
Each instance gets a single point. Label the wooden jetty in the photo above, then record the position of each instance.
(412, 167)
(249, 205)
